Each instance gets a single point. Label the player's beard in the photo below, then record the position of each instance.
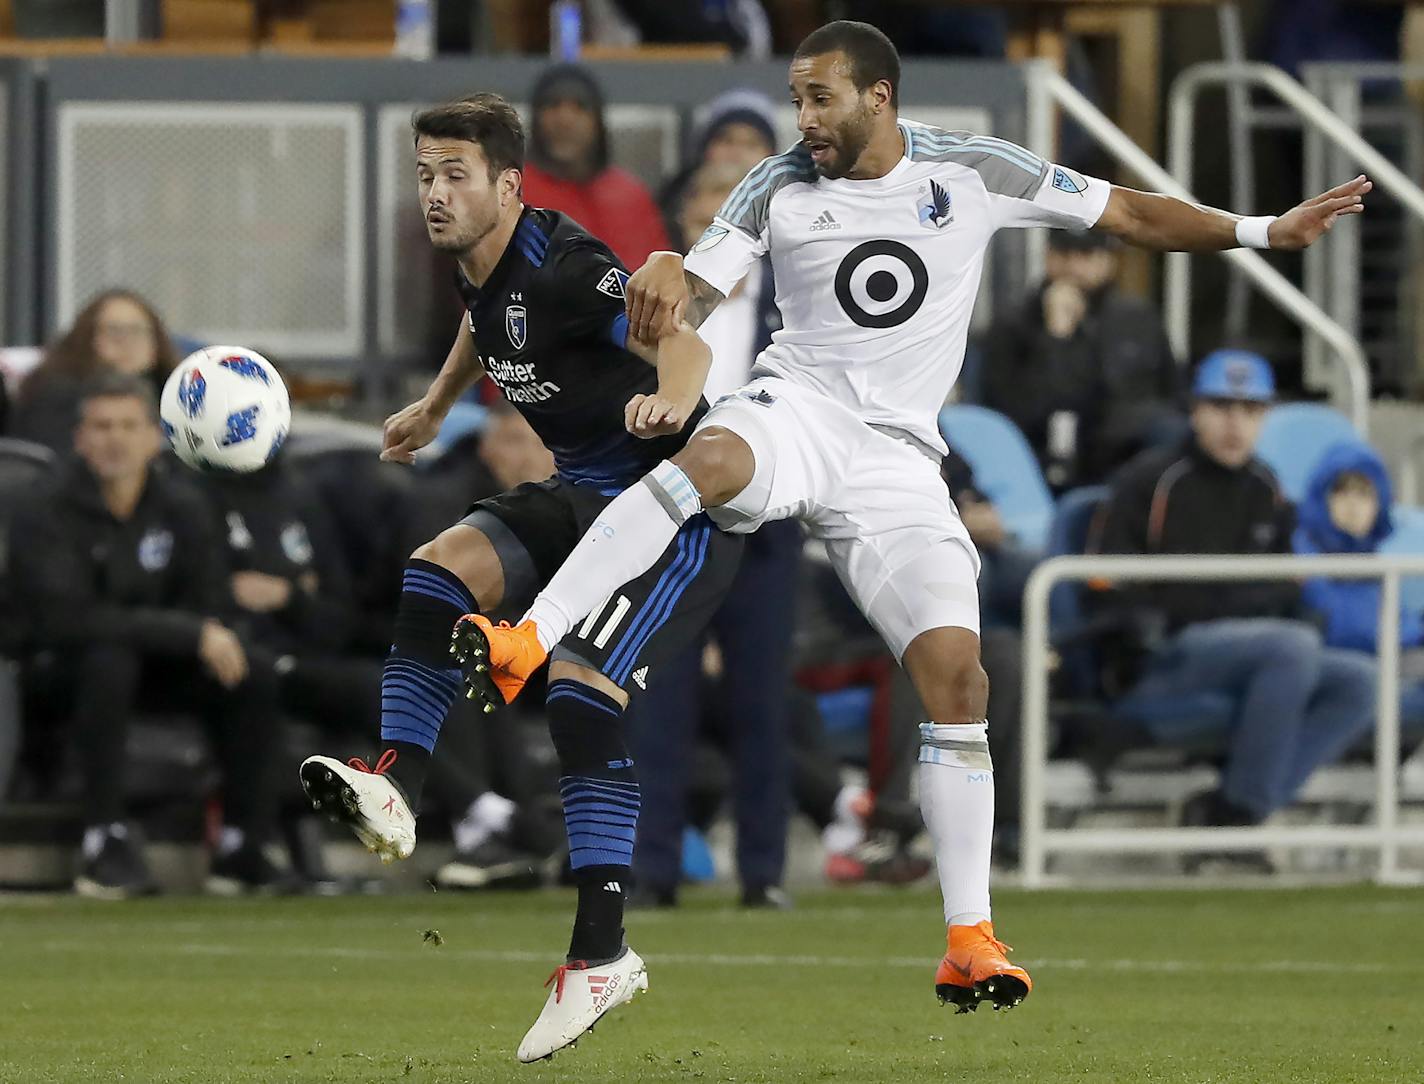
(456, 242)
(849, 142)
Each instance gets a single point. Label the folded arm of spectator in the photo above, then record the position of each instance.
(54, 585)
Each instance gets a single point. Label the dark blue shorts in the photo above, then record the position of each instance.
(535, 526)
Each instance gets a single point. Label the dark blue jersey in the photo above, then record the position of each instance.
(549, 326)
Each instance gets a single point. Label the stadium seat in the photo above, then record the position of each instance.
(1294, 438)
(1005, 469)
(1068, 534)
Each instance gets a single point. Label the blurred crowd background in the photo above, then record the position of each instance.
(174, 644)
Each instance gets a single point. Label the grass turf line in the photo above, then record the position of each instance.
(1196, 987)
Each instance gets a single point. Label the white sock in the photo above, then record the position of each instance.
(230, 839)
(94, 837)
(957, 802)
(488, 815)
(625, 541)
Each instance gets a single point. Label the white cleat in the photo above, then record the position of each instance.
(580, 997)
(367, 800)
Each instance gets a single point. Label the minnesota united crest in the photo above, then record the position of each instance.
(934, 209)
(516, 323)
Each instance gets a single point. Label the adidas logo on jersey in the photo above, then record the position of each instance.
(640, 678)
(824, 221)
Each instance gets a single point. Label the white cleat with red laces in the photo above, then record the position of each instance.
(580, 996)
(366, 799)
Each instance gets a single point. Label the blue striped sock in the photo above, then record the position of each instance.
(601, 801)
(601, 816)
(418, 684)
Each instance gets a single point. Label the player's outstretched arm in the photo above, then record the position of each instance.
(1148, 220)
(662, 295)
(683, 360)
(410, 429)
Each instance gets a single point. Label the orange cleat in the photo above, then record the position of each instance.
(497, 659)
(975, 969)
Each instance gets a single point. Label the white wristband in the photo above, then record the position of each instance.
(1252, 232)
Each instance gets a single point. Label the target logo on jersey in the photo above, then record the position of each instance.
(225, 408)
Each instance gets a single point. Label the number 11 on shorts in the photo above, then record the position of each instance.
(620, 610)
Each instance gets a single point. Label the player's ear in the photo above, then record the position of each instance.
(881, 95)
(511, 183)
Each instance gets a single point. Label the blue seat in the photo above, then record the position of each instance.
(1005, 469)
(1408, 538)
(1067, 535)
(1294, 438)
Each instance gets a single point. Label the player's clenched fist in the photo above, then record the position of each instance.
(653, 416)
(407, 431)
(657, 296)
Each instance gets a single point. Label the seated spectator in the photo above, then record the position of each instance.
(740, 24)
(735, 130)
(1300, 704)
(1304, 31)
(118, 331)
(569, 170)
(918, 29)
(1347, 510)
(121, 570)
(1082, 368)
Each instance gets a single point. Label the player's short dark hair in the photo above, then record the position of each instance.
(116, 385)
(486, 120)
(871, 54)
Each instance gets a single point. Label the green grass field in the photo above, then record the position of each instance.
(1193, 986)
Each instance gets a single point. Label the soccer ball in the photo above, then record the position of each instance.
(224, 408)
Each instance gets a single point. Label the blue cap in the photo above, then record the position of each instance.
(1235, 374)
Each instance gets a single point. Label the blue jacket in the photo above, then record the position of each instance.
(1350, 607)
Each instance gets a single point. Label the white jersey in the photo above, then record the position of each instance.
(876, 279)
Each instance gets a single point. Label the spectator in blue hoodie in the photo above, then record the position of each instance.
(1346, 510)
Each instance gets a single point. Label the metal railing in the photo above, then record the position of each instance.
(1314, 115)
(1046, 88)
(1383, 836)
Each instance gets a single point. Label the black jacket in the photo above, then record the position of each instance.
(1178, 500)
(82, 576)
(274, 522)
(1116, 373)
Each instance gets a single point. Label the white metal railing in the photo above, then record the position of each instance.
(1314, 115)
(1409, 472)
(1045, 88)
(1383, 836)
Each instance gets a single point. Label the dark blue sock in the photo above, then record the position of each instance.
(600, 798)
(420, 681)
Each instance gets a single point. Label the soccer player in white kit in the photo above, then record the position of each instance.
(877, 229)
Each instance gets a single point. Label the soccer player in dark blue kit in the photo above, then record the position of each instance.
(546, 322)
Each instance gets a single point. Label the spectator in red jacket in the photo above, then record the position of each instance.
(568, 167)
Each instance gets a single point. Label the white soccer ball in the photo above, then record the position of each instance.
(224, 408)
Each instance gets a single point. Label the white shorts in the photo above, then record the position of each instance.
(878, 502)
